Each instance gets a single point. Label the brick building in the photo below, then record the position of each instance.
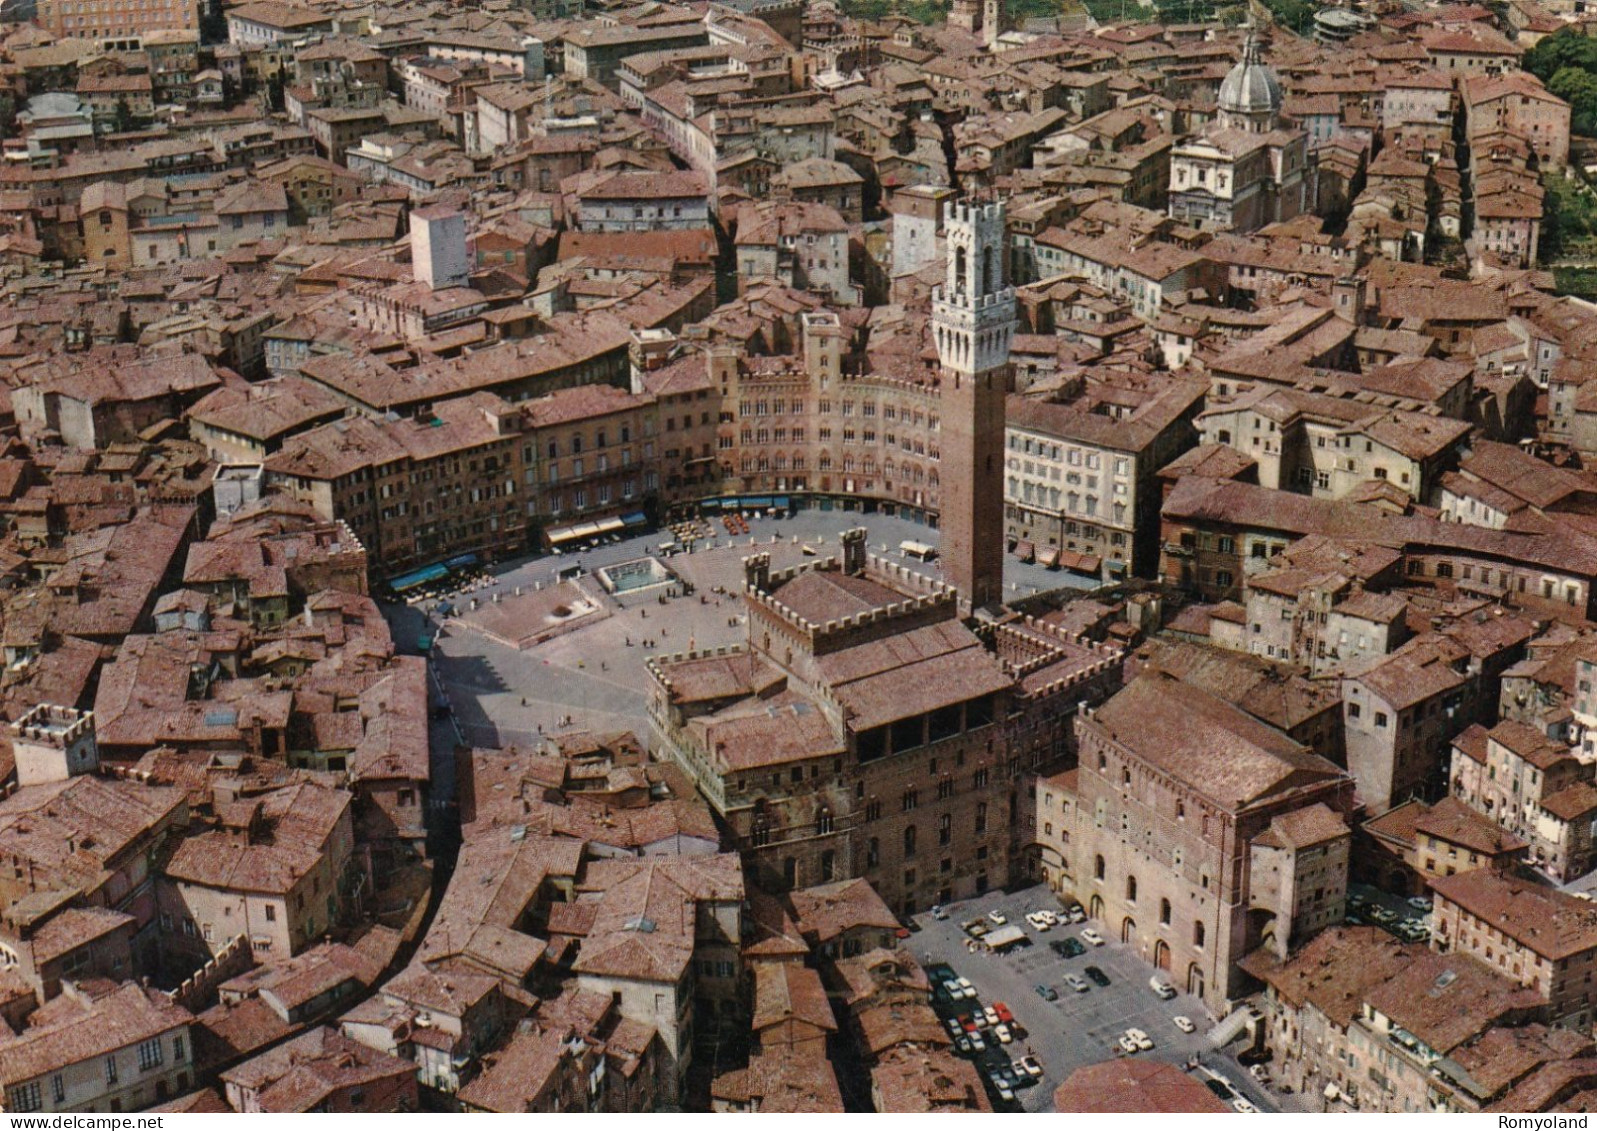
(1198, 834)
(829, 757)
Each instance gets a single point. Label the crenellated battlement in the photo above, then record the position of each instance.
(925, 592)
(1044, 645)
(655, 664)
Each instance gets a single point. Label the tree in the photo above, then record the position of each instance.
(274, 92)
(1564, 48)
(1577, 87)
(124, 115)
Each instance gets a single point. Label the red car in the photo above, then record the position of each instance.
(1004, 1016)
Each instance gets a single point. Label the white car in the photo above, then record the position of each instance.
(954, 1027)
(1184, 1024)
(1127, 1045)
(1030, 1066)
(1039, 921)
(1005, 1092)
(1245, 1107)
(997, 918)
(1260, 1073)
(1076, 982)
(991, 1014)
(1144, 1042)
(976, 1042)
(1003, 1034)
(966, 990)
(1091, 937)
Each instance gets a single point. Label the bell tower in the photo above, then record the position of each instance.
(973, 320)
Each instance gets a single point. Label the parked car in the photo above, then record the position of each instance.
(966, 990)
(1039, 922)
(991, 1015)
(977, 1042)
(939, 911)
(1002, 1032)
(1419, 903)
(1161, 987)
(1003, 1012)
(1030, 1066)
(962, 1044)
(997, 918)
(1047, 993)
(1005, 1092)
(1183, 1023)
(1067, 948)
(1245, 1107)
(1260, 1073)
(954, 1027)
(1097, 975)
(975, 928)
(1092, 937)
(1077, 983)
(1144, 1042)
(1220, 1088)
(1075, 913)
(1127, 1044)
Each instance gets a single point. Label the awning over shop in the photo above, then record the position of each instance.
(567, 533)
(1079, 563)
(782, 503)
(418, 577)
(1025, 551)
(1049, 558)
(607, 525)
(636, 518)
(462, 562)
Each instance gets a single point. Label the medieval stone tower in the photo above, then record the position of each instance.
(973, 319)
(992, 23)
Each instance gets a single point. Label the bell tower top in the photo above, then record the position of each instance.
(973, 312)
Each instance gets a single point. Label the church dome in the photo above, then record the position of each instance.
(1251, 88)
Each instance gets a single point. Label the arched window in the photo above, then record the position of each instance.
(823, 821)
(1131, 889)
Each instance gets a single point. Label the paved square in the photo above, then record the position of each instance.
(592, 675)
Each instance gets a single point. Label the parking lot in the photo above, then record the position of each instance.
(1393, 913)
(1079, 1028)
